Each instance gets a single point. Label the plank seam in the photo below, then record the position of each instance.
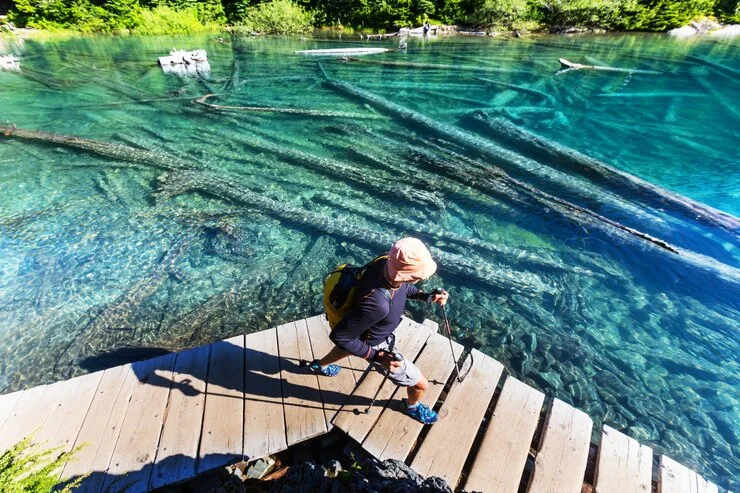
(244, 393)
(393, 394)
(165, 414)
(437, 405)
(118, 434)
(77, 436)
(329, 426)
(282, 390)
(202, 414)
(484, 425)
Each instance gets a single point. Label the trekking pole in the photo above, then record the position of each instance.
(449, 334)
(396, 357)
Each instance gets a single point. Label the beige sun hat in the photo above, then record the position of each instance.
(409, 260)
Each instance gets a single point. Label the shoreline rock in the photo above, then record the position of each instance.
(703, 27)
(367, 477)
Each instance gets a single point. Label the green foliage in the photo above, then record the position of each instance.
(26, 469)
(607, 14)
(277, 17)
(660, 15)
(497, 12)
(298, 16)
(729, 11)
(166, 20)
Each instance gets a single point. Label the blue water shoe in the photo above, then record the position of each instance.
(419, 412)
(331, 370)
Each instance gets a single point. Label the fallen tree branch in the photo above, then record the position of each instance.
(116, 151)
(228, 188)
(488, 149)
(542, 149)
(292, 111)
(567, 66)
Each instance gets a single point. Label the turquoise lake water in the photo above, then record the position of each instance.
(108, 254)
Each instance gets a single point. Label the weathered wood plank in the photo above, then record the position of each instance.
(335, 390)
(410, 338)
(561, 461)
(304, 411)
(133, 457)
(69, 411)
(673, 477)
(446, 447)
(27, 416)
(7, 403)
(101, 427)
(395, 433)
(222, 439)
(622, 465)
(677, 478)
(178, 446)
(264, 419)
(500, 460)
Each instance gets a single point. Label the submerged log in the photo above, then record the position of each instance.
(526, 90)
(116, 151)
(491, 151)
(507, 255)
(293, 111)
(443, 66)
(542, 149)
(566, 66)
(229, 189)
(374, 181)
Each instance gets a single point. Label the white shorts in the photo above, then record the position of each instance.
(407, 375)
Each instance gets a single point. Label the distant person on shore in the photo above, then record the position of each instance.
(426, 27)
(368, 329)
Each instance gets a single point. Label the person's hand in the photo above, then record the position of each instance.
(440, 296)
(388, 361)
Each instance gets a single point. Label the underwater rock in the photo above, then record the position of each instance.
(549, 379)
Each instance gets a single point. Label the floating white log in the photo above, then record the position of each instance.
(10, 63)
(181, 62)
(343, 51)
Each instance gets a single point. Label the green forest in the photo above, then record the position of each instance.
(298, 16)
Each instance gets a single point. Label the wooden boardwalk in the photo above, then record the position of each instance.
(165, 420)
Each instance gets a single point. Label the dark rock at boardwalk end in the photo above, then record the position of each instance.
(370, 477)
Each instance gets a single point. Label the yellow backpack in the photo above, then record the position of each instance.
(340, 289)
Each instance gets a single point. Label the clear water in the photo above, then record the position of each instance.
(102, 262)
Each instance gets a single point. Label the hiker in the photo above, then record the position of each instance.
(368, 329)
(426, 27)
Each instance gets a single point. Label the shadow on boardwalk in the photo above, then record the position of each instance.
(256, 371)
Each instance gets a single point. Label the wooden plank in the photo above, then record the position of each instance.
(69, 411)
(445, 449)
(304, 411)
(222, 439)
(622, 465)
(395, 433)
(673, 477)
(335, 390)
(100, 429)
(500, 460)
(7, 403)
(561, 461)
(178, 446)
(133, 457)
(264, 419)
(28, 415)
(410, 337)
(677, 478)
